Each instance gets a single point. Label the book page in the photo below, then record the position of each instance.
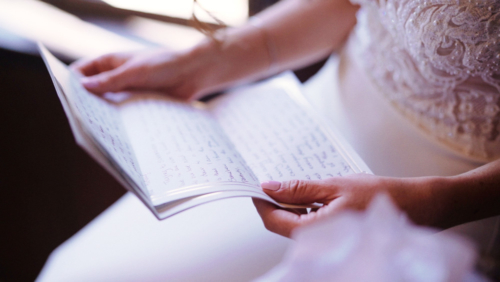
(179, 146)
(102, 121)
(174, 147)
(167, 151)
(101, 137)
(95, 123)
(276, 136)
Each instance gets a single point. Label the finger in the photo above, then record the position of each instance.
(94, 66)
(333, 208)
(83, 66)
(300, 191)
(115, 80)
(300, 211)
(275, 219)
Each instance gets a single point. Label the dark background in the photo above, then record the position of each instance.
(50, 188)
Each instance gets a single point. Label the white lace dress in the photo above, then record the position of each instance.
(418, 90)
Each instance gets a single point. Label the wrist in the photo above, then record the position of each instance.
(240, 55)
(440, 201)
(462, 198)
(472, 196)
(197, 63)
(425, 200)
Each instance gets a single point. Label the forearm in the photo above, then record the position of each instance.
(445, 202)
(472, 195)
(297, 32)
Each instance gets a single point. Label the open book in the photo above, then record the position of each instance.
(174, 155)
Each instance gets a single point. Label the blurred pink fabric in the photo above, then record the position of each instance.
(379, 245)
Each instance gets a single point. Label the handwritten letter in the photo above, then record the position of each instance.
(178, 145)
(103, 121)
(276, 137)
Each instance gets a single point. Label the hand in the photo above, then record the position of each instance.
(416, 196)
(156, 70)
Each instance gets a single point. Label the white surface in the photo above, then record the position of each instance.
(68, 35)
(231, 12)
(220, 241)
(173, 36)
(60, 31)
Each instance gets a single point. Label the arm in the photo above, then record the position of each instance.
(298, 32)
(440, 202)
(472, 195)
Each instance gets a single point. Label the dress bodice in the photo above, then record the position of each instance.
(437, 61)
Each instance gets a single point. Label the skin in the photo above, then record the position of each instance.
(241, 56)
(300, 32)
(440, 202)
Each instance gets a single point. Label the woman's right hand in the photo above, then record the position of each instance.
(161, 70)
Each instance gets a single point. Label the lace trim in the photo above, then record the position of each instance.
(438, 63)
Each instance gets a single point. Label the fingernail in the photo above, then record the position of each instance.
(271, 185)
(89, 83)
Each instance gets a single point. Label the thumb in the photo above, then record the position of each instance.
(300, 191)
(110, 81)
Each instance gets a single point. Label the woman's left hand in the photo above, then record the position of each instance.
(418, 197)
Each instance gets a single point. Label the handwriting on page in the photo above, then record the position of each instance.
(276, 137)
(103, 121)
(178, 145)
